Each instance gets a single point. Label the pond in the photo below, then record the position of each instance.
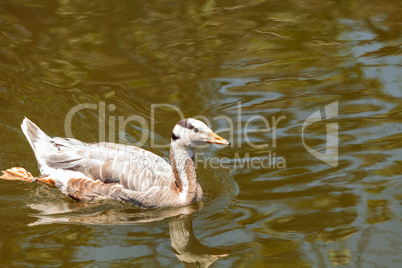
(308, 92)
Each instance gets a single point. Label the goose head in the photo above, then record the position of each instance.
(191, 133)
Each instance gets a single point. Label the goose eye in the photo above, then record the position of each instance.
(196, 130)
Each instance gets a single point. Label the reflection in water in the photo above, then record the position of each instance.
(187, 248)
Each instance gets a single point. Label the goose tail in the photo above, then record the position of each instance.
(40, 142)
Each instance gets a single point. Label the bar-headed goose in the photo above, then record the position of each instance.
(86, 171)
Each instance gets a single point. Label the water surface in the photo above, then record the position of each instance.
(232, 59)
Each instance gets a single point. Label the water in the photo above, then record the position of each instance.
(250, 63)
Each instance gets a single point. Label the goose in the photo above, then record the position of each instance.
(86, 171)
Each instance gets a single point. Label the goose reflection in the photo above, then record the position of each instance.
(185, 245)
(188, 249)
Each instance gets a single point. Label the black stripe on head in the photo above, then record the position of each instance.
(184, 123)
(174, 137)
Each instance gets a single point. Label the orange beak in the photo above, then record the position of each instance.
(215, 138)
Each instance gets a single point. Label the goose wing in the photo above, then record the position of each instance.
(132, 167)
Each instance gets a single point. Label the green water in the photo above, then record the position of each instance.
(244, 66)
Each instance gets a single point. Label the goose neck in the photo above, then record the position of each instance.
(182, 161)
